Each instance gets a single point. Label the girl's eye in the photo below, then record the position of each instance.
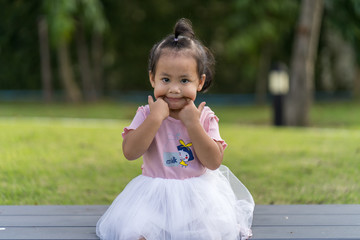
(165, 80)
(184, 80)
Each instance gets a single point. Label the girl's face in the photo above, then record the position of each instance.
(176, 79)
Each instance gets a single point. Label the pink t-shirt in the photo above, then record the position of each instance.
(171, 154)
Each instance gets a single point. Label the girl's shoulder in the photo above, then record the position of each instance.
(145, 110)
(208, 114)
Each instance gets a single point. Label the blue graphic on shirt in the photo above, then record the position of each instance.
(171, 159)
(182, 157)
(185, 153)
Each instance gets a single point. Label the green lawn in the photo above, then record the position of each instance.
(334, 115)
(55, 154)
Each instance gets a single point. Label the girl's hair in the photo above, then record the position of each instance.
(184, 38)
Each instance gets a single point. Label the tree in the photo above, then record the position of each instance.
(46, 72)
(68, 20)
(299, 99)
(344, 17)
(259, 34)
(62, 25)
(90, 17)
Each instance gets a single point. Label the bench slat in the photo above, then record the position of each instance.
(298, 222)
(259, 220)
(48, 221)
(53, 210)
(306, 209)
(306, 220)
(310, 232)
(85, 233)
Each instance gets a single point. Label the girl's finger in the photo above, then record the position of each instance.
(150, 100)
(189, 101)
(201, 106)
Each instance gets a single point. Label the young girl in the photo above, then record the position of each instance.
(184, 192)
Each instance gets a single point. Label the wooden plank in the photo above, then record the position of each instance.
(306, 209)
(53, 233)
(100, 209)
(298, 222)
(306, 220)
(310, 232)
(97, 210)
(48, 221)
(302, 222)
(259, 220)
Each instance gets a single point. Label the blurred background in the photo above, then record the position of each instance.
(88, 50)
(73, 72)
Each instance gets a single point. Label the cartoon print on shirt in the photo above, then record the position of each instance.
(185, 153)
(181, 157)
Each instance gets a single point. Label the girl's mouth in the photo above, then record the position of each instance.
(175, 103)
(173, 99)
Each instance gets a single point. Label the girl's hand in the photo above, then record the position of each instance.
(159, 108)
(190, 113)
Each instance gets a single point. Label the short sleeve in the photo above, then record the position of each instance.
(139, 118)
(211, 125)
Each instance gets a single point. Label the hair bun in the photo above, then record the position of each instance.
(184, 39)
(183, 27)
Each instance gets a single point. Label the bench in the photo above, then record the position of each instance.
(270, 222)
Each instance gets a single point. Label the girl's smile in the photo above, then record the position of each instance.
(175, 103)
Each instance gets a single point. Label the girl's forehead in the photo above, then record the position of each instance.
(177, 58)
(177, 62)
(177, 53)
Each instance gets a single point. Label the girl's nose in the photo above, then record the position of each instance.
(174, 88)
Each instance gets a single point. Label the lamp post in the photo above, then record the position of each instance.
(278, 86)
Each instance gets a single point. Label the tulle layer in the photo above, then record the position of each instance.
(204, 207)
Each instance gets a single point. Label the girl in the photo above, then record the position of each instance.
(184, 192)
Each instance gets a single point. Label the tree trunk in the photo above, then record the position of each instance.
(97, 60)
(262, 75)
(46, 73)
(66, 73)
(356, 85)
(84, 61)
(299, 99)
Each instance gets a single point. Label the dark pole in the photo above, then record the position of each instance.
(278, 86)
(278, 111)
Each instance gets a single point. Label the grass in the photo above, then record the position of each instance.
(54, 160)
(334, 115)
(62, 162)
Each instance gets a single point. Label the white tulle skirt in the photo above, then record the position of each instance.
(215, 205)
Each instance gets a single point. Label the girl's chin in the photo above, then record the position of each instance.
(176, 107)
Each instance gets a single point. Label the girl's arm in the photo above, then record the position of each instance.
(137, 141)
(209, 152)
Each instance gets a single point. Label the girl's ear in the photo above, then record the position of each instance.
(152, 79)
(201, 82)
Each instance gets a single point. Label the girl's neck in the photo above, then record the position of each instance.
(174, 114)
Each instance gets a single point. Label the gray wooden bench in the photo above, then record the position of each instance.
(270, 222)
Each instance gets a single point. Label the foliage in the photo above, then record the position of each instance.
(238, 31)
(61, 17)
(344, 16)
(134, 26)
(19, 64)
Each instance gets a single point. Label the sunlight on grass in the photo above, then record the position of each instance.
(75, 161)
(51, 162)
(295, 165)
